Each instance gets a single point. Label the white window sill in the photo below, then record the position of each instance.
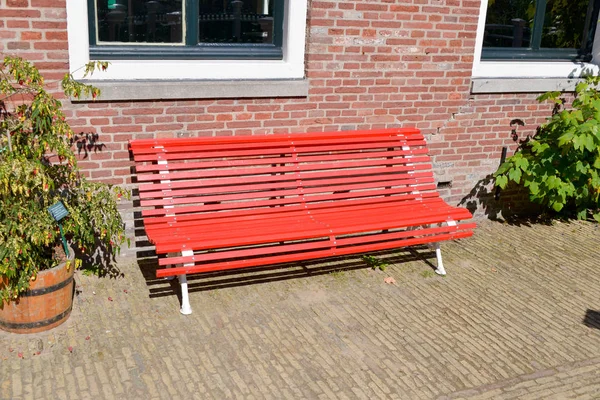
(197, 89)
(528, 77)
(529, 69)
(523, 85)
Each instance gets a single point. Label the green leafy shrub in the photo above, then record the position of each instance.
(374, 262)
(560, 165)
(38, 169)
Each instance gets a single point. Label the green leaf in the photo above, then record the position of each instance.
(501, 181)
(504, 167)
(515, 175)
(588, 142)
(565, 139)
(556, 206)
(597, 216)
(522, 163)
(549, 96)
(534, 188)
(579, 167)
(552, 182)
(581, 86)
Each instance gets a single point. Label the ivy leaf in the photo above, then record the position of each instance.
(504, 168)
(534, 188)
(581, 168)
(501, 181)
(581, 214)
(597, 216)
(521, 163)
(549, 96)
(565, 139)
(515, 175)
(589, 143)
(581, 86)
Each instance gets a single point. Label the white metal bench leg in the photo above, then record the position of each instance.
(186, 308)
(440, 265)
(440, 270)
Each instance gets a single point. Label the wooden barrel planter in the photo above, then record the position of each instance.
(46, 304)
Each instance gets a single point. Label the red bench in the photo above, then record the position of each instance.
(220, 203)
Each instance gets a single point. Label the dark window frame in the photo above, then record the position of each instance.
(537, 53)
(190, 50)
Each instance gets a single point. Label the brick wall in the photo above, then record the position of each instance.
(370, 64)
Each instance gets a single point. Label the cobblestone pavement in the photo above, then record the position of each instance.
(517, 317)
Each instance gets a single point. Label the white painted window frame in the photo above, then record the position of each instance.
(290, 67)
(527, 76)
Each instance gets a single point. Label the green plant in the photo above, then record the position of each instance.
(38, 169)
(337, 274)
(428, 274)
(560, 165)
(374, 262)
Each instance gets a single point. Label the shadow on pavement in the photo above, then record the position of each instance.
(592, 319)
(159, 287)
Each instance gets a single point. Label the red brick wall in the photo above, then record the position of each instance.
(370, 64)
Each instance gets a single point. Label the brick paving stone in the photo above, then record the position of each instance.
(506, 323)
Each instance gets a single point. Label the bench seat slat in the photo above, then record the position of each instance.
(282, 192)
(309, 176)
(332, 156)
(275, 211)
(323, 243)
(278, 202)
(400, 165)
(253, 192)
(258, 233)
(139, 145)
(250, 150)
(204, 222)
(273, 260)
(197, 188)
(274, 233)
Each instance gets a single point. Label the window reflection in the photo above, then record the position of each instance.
(139, 21)
(509, 23)
(235, 21)
(563, 23)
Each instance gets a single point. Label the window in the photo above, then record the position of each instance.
(186, 29)
(154, 62)
(540, 29)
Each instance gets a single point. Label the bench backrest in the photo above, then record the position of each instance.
(191, 178)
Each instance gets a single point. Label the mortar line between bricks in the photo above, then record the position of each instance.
(521, 378)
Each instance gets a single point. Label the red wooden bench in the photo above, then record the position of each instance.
(220, 203)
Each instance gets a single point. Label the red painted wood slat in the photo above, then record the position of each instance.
(272, 260)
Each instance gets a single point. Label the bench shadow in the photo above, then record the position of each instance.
(160, 287)
(592, 319)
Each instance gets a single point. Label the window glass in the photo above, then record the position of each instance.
(563, 23)
(509, 23)
(235, 21)
(139, 21)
